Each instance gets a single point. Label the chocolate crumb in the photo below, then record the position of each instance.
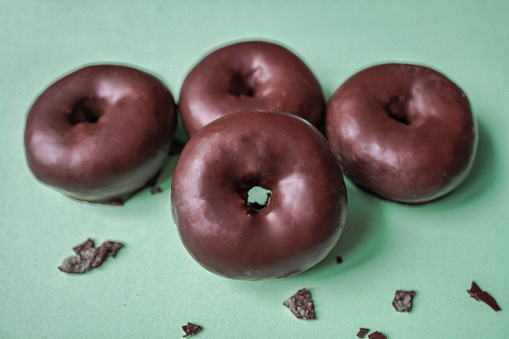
(403, 300)
(89, 257)
(301, 304)
(339, 260)
(377, 335)
(191, 329)
(156, 189)
(478, 294)
(362, 332)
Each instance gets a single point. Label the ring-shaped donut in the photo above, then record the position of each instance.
(252, 75)
(100, 133)
(404, 132)
(279, 152)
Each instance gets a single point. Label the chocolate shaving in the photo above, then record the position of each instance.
(89, 257)
(362, 332)
(301, 304)
(377, 335)
(191, 329)
(403, 300)
(478, 294)
(156, 189)
(339, 260)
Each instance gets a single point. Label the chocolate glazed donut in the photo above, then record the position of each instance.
(285, 154)
(100, 133)
(404, 132)
(249, 76)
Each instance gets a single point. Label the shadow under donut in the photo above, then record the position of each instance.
(363, 237)
(482, 180)
(179, 141)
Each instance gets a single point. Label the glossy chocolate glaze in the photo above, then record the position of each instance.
(249, 76)
(404, 132)
(100, 133)
(280, 152)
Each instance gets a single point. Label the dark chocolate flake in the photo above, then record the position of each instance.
(377, 335)
(191, 329)
(89, 257)
(155, 190)
(478, 294)
(301, 304)
(403, 301)
(339, 260)
(362, 332)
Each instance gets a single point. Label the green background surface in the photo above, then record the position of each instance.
(154, 287)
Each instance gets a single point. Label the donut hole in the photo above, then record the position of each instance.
(241, 85)
(86, 110)
(397, 109)
(258, 198)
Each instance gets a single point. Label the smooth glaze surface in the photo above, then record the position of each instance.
(404, 132)
(306, 211)
(246, 76)
(100, 133)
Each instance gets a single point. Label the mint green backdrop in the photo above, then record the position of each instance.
(154, 287)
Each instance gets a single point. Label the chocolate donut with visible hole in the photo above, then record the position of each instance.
(404, 132)
(100, 133)
(249, 76)
(304, 212)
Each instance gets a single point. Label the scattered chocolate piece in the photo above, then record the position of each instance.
(339, 260)
(89, 257)
(156, 189)
(301, 304)
(478, 294)
(403, 300)
(191, 329)
(377, 335)
(362, 332)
